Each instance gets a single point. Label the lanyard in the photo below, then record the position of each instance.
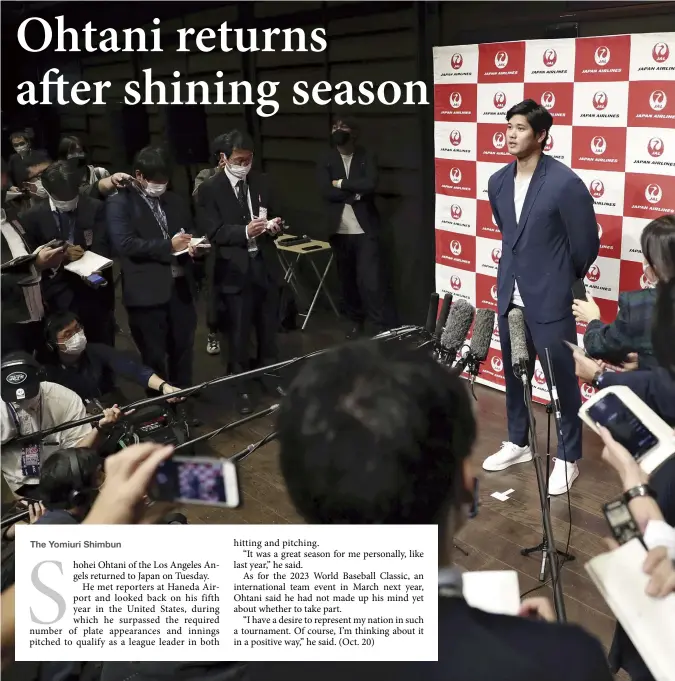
(69, 218)
(17, 422)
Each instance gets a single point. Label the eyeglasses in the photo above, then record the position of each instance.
(67, 333)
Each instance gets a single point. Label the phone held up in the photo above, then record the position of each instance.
(621, 522)
(196, 480)
(648, 438)
(579, 290)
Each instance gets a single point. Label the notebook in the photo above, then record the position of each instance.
(89, 263)
(495, 591)
(193, 242)
(649, 622)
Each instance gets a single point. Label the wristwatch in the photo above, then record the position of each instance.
(161, 387)
(638, 491)
(596, 379)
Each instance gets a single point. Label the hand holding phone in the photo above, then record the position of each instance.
(577, 349)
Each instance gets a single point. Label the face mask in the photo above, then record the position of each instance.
(66, 206)
(39, 191)
(154, 189)
(647, 278)
(240, 172)
(21, 149)
(80, 158)
(75, 345)
(340, 137)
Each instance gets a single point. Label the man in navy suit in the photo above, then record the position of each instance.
(549, 240)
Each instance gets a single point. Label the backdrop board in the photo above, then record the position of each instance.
(612, 99)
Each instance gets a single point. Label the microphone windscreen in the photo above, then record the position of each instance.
(443, 317)
(482, 333)
(519, 351)
(457, 328)
(431, 313)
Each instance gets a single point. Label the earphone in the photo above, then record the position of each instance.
(77, 496)
(50, 342)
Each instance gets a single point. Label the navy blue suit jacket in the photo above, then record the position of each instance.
(553, 244)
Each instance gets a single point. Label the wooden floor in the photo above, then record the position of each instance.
(493, 540)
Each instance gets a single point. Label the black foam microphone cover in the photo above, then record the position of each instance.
(431, 313)
(443, 317)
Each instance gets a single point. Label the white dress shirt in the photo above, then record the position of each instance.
(521, 185)
(349, 223)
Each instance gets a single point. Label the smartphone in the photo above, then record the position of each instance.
(56, 243)
(621, 521)
(579, 290)
(312, 248)
(96, 280)
(576, 348)
(632, 423)
(196, 480)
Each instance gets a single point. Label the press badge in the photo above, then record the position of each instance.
(88, 237)
(30, 461)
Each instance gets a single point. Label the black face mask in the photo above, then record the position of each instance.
(78, 160)
(340, 137)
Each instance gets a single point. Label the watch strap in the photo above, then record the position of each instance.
(638, 491)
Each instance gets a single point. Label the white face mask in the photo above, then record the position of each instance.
(155, 189)
(646, 267)
(75, 345)
(40, 191)
(22, 149)
(240, 172)
(66, 206)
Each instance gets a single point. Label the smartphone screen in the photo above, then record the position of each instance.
(192, 480)
(96, 279)
(625, 427)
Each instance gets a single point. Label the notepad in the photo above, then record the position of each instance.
(196, 240)
(89, 263)
(495, 591)
(649, 622)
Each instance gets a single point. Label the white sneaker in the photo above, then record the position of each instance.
(508, 455)
(212, 344)
(562, 477)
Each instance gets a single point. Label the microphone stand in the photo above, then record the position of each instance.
(548, 545)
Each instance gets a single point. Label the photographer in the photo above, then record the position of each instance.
(89, 369)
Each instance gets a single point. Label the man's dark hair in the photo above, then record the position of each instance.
(59, 477)
(537, 116)
(37, 157)
(367, 439)
(347, 119)
(21, 133)
(228, 142)
(61, 180)
(153, 164)
(663, 328)
(57, 321)
(70, 144)
(658, 246)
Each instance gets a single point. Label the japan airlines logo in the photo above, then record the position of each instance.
(455, 282)
(660, 53)
(644, 284)
(550, 58)
(499, 140)
(455, 100)
(455, 211)
(455, 138)
(499, 100)
(494, 222)
(653, 193)
(655, 147)
(495, 331)
(598, 145)
(597, 189)
(497, 364)
(599, 230)
(455, 247)
(602, 56)
(548, 99)
(493, 293)
(587, 391)
(496, 255)
(501, 60)
(600, 100)
(593, 273)
(658, 100)
(539, 376)
(455, 175)
(549, 143)
(456, 61)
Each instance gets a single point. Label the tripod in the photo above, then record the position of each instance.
(543, 546)
(547, 547)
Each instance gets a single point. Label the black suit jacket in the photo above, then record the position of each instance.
(60, 289)
(223, 221)
(472, 646)
(145, 255)
(362, 181)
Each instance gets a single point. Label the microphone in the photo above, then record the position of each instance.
(431, 313)
(519, 355)
(480, 343)
(456, 330)
(443, 317)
